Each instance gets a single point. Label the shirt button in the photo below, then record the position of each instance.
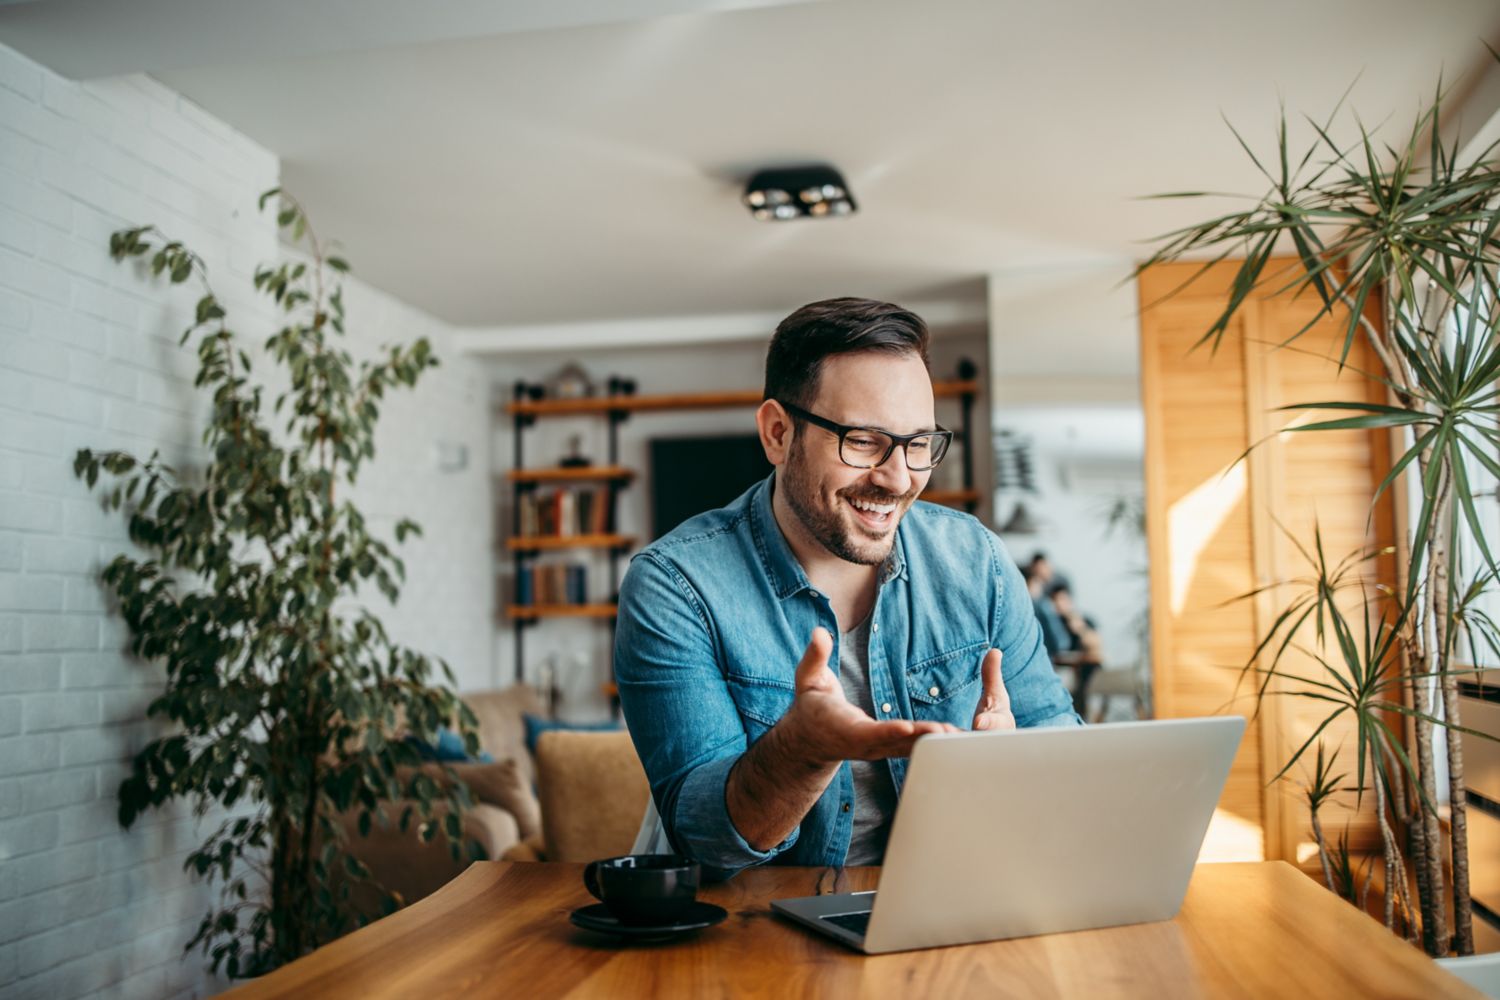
(846, 807)
(886, 708)
(933, 691)
(875, 627)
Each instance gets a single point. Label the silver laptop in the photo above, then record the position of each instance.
(1035, 831)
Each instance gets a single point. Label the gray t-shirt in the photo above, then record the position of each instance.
(874, 794)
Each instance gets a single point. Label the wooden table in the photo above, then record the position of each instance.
(501, 929)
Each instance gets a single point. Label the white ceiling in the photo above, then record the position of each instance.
(532, 174)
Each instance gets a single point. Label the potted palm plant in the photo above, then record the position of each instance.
(1402, 243)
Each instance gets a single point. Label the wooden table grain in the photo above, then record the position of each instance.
(501, 929)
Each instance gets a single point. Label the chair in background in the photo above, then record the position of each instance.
(593, 792)
(1119, 683)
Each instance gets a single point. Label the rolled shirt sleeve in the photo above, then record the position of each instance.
(681, 715)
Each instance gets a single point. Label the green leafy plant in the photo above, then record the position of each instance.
(284, 697)
(1410, 233)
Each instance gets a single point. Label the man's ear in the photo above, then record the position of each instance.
(775, 427)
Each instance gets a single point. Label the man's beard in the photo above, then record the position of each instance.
(828, 527)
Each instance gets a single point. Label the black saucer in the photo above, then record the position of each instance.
(598, 918)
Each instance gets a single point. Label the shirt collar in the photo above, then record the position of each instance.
(781, 565)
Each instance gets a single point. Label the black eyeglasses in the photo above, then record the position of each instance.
(868, 447)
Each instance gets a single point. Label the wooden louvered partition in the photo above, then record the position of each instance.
(1213, 531)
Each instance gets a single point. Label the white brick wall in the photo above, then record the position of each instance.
(88, 358)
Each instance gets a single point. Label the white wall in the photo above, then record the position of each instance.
(580, 648)
(1065, 349)
(88, 358)
(446, 601)
(1085, 460)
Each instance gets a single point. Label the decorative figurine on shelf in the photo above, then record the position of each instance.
(546, 686)
(575, 459)
(571, 382)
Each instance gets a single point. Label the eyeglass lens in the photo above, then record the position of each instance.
(865, 449)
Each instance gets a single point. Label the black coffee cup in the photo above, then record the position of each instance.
(644, 888)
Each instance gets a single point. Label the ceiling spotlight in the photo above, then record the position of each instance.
(760, 197)
(821, 192)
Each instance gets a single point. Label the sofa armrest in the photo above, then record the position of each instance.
(530, 849)
(501, 783)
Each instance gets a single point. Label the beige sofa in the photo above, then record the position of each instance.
(506, 811)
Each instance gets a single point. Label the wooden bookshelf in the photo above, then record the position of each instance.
(683, 401)
(531, 612)
(522, 483)
(549, 543)
(578, 474)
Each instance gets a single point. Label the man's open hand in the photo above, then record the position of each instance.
(994, 703)
(823, 727)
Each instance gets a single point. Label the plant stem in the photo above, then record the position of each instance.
(1463, 909)
(1434, 915)
(1387, 846)
(1317, 830)
(1440, 584)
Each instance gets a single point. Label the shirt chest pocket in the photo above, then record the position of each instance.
(761, 703)
(946, 688)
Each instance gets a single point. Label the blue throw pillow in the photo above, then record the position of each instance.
(535, 727)
(449, 748)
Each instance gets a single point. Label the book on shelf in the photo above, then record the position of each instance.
(551, 583)
(565, 512)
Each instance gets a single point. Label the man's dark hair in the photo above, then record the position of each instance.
(816, 332)
(1059, 588)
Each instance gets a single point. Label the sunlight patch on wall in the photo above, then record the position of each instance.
(1194, 520)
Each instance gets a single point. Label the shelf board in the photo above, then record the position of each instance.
(531, 612)
(547, 543)
(558, 474)
(683, 401)
(950, 498)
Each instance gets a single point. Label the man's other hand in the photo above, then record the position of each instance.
(823, 727)
(994, 704)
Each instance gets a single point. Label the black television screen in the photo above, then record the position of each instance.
(690, 475)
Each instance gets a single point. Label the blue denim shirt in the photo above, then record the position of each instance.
(715, 616)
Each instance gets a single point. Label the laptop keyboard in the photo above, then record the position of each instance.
(856, 922)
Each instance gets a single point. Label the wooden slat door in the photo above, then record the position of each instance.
(1219, 527)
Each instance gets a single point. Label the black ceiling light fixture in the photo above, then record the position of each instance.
(785, 193)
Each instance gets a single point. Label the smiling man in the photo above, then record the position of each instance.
(777, 658)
